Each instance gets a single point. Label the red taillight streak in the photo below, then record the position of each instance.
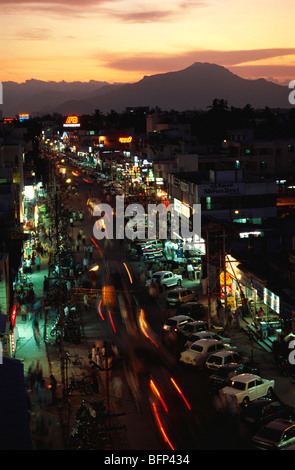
(156, 391)
(161, 426)
(180, 393)
(112, 321)
(99, 309)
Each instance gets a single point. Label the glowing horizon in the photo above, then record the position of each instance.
(119, 41)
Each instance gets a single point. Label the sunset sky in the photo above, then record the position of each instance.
(123, 40)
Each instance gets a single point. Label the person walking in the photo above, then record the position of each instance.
(36, 331)
(38, 262)
(41, 393)
(45, 285)
(53, 389)
(85, 301)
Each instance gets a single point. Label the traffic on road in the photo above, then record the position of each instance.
(179, 381)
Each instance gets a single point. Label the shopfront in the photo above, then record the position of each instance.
(260, 306)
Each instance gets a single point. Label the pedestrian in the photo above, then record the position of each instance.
(93, 353)
(71, 222)
(38, 262)
(118, 388)
(31, 377)
(85, 263)
(36, 331)
(83, 239)
(41, 393)
(98, 356)
(85, 301)
(90, 251)
(260, 312)
(45, 285)
(53, 389)
(190, 270)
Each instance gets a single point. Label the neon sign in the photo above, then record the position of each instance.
(125, 140)
(72, 121)
(13, 316)
(23, 117)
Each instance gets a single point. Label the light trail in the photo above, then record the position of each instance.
(128, 272)
(157, 393)
(161, 427)
(180, 393)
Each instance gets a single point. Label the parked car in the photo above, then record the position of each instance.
(166, 279)
(276, 435)
(152, 252)
(176, 322)
(154, 244)
(206, 335)
(223, 376)
(222, 358)
(199, 351)
(194, 327)
(248, 387)
(193, 309)
(179, 296)
(263, 410)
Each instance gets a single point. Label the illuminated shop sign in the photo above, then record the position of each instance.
(272, 300)
(23, 117)
(72, 121)
(125, 140)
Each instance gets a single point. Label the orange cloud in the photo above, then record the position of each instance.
(152, 62)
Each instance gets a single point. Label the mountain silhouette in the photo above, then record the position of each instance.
(194, 87)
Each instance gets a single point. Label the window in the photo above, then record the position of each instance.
(251, 384)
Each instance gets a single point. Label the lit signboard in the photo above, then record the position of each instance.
(125, 140)
(23, 117)
(72, 121)
(272, 300)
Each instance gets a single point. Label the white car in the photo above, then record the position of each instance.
(176, 322)
(248, 387)
(222, 358)
(200, 350)
(203, 335)
(165, 279)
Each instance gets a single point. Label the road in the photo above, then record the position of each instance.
(165, 405)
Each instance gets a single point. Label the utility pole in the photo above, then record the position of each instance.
(208, 278)
(60, 304)
(224, 270)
